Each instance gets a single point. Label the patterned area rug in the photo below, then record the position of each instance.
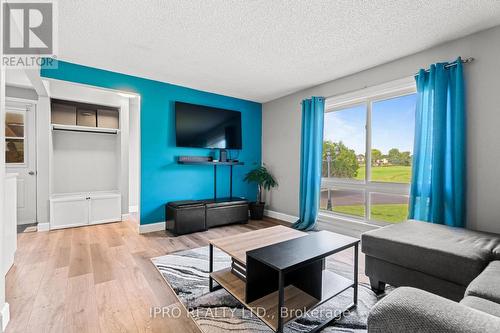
(214, 312)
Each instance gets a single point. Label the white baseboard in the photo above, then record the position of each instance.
(133, 209)
(152, 227)
(280, 216)
(5, 316)
(125, 216)
(43, 226)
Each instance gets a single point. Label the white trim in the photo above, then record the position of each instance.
(133, 209)
(125, 216)
(5, 316)
(328, 217)
(43, 227)
(381, 91)
(280, 216)
(376, 187)
(151, 227)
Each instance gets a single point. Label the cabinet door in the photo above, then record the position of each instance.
(69, 212)
(105, 208)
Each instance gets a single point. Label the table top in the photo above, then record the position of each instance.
(289, 254)
(238, 245)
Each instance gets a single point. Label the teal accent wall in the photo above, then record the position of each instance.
(162, 179)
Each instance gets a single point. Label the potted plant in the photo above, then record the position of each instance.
(265, 181)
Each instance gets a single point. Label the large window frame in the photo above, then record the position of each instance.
(367, 187)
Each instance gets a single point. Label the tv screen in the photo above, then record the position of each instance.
(206, 127)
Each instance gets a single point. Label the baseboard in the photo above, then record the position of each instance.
(5, 316)
(133, 209)
(125, 216)
(43, 226)
(280, 216)
(152, 227)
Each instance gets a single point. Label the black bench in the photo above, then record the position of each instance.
(187, 216)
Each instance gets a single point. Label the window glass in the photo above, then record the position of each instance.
(14, 125)
(393, 126)
(388, 207)
(14, 151)
(343, 201)
(344, 143)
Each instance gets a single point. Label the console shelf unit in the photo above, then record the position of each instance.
(215, 164)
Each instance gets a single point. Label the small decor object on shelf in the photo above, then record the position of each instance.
(265, 181)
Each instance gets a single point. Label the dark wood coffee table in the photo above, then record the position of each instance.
(279, 281)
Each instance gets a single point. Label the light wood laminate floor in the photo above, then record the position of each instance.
(100, 279)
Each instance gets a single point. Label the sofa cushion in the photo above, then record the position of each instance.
(482, 304)
(487, 284)
(453, 254)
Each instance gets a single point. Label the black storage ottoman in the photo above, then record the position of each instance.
(184, 217)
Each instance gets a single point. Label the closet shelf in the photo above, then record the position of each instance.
(73, 128)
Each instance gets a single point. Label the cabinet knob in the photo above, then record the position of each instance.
(31, 173)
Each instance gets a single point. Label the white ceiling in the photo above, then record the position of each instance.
(260, 49)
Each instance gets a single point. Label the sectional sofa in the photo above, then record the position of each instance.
(449, 278)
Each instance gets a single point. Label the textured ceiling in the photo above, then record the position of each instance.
(260, 49)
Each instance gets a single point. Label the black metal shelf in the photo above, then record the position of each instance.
(215, 164)
(210, 163)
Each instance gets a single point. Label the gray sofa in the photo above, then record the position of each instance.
(436, 266)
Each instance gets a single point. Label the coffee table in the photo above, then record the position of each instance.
(279, 273)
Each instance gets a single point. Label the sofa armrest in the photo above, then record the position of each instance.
(413, 310)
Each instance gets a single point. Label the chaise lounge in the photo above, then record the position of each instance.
(450, 265)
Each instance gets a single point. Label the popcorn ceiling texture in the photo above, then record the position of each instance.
(258, 50)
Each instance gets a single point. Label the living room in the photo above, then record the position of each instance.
(299, 166)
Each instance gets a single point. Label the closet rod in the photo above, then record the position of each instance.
(84, 131)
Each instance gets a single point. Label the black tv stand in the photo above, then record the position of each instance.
(215, 164)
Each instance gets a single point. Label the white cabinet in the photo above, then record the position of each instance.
(105, 207)
(78, 209)
(69, 211)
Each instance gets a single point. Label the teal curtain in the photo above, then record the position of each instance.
(438, 184)
(310, 161)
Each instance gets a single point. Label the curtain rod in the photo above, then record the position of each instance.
(451, 64)
(454, 63)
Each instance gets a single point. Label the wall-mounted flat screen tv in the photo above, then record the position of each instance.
(206, 127)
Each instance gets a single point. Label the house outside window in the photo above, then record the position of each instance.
(367, 153)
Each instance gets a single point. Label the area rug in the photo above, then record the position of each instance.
(187, 274)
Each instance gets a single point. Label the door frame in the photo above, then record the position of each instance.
(31, 131)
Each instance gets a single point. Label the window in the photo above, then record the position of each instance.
(367, 153)
(15, 137)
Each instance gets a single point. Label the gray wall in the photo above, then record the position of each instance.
(281, 120)
(18, 92)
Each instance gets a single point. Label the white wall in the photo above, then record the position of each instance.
(134, 153)
(84, 162)
(281, 121)
(3, 307)
(42, 159)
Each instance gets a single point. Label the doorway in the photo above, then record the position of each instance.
(20, 156)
